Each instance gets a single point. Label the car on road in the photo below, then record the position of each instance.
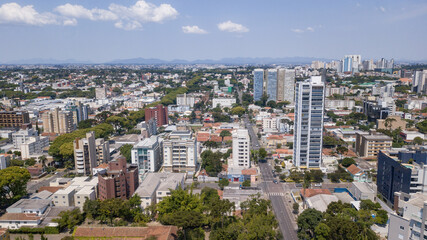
(275, 181)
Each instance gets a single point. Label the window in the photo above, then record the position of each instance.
(402, 227)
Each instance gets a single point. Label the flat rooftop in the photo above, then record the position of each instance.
(159, 181)
(31, 203)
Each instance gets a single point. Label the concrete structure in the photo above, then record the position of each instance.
(85, 154)
(86, 193)
(64, 197)
(411, 135)
(241, 149)
(22, 136)
(237, 195)
(159, 113)
(258, 83)
(147, 154)
(30, 206)
(118, 181)
(368, 145)
(308, 124)
(101, 93)
(18, 220)
(339, 104)
(60, 122)
(411, 217)
(13, 119)
(419, 83)
(271, 86)
(4, 163)
(33, 147)
(180, 151)
(286, 85)
(394, 176)
(156, 186)
(362, 191)
(102, 151)
(223, 102)
(185, 100)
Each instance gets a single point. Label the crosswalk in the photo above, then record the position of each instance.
(276, 194)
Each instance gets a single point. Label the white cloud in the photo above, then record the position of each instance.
(143, 11)
(193, 29)
(133, 25)
(297, 30)
(230, 26)
(70, 22)
(310, 29)
(14, 13)
(382, 9)
(78, 11)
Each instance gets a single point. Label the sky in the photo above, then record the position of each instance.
(105, 30)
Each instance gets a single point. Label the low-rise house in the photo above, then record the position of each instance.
(362, 191)
(18, 220)
(357, 174)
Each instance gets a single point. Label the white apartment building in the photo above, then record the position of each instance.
(223, 102)
(147, 154)
(34, 146)
(102, 151)
(22, 136)
(85, 154)
(185, 100)
(241, 149)
(269, 124)
(180, 151)
(87, 192)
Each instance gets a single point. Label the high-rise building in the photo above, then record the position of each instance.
(23, 135)
(419, 83)
(180, 151)
(258, 83)
(34, 147)
(347, 64)
(368, 145)
(85, 154)
(241, 149)
(289, 86)
(160, 113)
(119, 180)
(147, 154)
(309, 108)
(56, 121)
(13, 119)
(272, 84)
(101, 93)
(102, 151)
(185, 100)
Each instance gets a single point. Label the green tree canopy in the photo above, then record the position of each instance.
(13, 184)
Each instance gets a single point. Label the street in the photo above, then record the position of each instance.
(34, 185)
(275, 191)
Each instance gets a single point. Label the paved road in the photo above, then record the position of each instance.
(275, 192)
(34, 185)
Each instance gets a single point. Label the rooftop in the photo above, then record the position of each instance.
(158, 181)
(148, 142)
(31, 203)
(312, 192)
(19, 216)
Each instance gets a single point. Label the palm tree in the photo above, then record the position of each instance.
(388, 122)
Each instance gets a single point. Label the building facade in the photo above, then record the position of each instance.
(223, 102)
(57, 121)
(147, 155)
(308, 124)
(241, 149)
(159, 113)
(258, 83)
(85, 154)
(180, 152)
(13, 119)
(368, 145)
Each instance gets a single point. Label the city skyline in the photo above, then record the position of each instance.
(103, 31)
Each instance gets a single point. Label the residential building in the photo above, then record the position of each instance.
(147, 154)
(102, 151)
(369, 144)
(185, 100)
(258, 83)
(308, 124)
(223, 102)
(13, 119)
(286, 85)
(64, 197)
(411, 217)
(120, 180)
(86, 193)
(22, 136)
(396, 176)
(339, 104)
(358, 174)
(148, 128)
(159, 113)
(419, 83)
(85, 154)
(4, 163)
(101, 93)
(60, 122)
(156, 186)
(409, 136)
(180, 151)
(362, 191)
(34, 147)
(271, 89)
(241, 149)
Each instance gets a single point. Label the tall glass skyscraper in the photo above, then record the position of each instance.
(308, 124)
(272, 84)
(258, 83)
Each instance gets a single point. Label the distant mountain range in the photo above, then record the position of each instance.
(155, 61)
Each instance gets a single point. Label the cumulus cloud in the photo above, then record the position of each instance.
(310, 29)
(15, 13)
(70, 22)
(297, 30)
(230, 26)
(78, 11)
(133, 25)
(193, 29)
(382, 9)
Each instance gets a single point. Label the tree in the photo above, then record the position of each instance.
(88, 123)
(211, 162)
(237, 111)
(388, 123)
(262, 153)
(307, 222)
(69, 219)
(295, 208)
(418, 141)
(341, 150)
(322, 231)
(347, 162)
(224, 133)
(126, 151)
(223, 183)
(211, 144)
(13, 184)
(246, 183)
(271, 104)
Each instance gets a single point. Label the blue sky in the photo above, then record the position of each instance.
(103, 30)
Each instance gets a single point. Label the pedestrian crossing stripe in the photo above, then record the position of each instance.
(276, 194)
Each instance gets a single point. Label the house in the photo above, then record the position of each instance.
(357, 174)
(17, 220)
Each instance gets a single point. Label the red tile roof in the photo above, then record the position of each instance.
(313, 192)
(160, 232)
(284, 151)
(353, 169)
(50, 189)
(250, 171)
(19, 216)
